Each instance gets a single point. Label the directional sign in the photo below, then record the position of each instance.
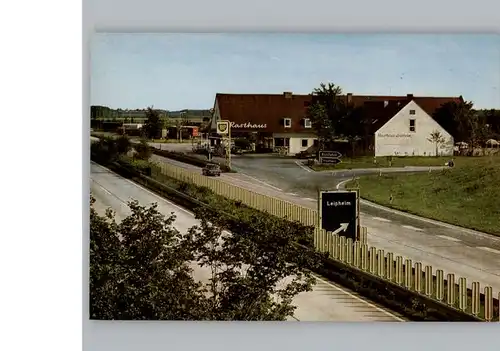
(343, 227)
(330, 154)
(330, 157)
(339, 212)
(332, 161)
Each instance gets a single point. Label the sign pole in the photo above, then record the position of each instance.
(224, 128)
(229, 146)
(320, 207)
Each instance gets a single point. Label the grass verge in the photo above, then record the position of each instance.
(467, 196)
(410, 305)
(383, 162)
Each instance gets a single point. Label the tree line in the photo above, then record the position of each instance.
(335, 118)
(153, 120)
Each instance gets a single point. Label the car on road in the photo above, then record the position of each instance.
(211, 169)
(305, 155)
(236, 150)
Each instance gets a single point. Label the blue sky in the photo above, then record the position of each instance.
(178, 71)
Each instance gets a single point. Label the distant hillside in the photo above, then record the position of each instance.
(194, 113)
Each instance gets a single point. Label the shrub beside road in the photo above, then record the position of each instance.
(467, 195)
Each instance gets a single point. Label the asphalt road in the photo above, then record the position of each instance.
(327, 301)
(469, 254)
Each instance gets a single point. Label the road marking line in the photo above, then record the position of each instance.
(103, 188)
(292, 194)
(412, 228)
(381, 219)
(489, 249)
(146, 190)
(358, 298)
(308, 198)
(448, 238)
(298, 163)
(257, 180)
(342, 183)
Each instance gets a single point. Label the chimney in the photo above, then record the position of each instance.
(287, 94)
(409, 96)
(349, 97)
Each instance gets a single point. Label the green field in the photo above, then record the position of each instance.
(383, 162)
(467, 195)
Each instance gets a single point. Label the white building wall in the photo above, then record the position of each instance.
(395, 138)
(295, 145)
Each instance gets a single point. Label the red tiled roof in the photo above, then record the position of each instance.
(270, 109)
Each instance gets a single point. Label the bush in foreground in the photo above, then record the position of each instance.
(142, 269)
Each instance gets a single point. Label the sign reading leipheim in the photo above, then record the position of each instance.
(338, 212)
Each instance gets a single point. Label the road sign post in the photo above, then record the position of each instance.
(339, 212)
(224, 128)
(330, 157)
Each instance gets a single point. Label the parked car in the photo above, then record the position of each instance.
(236, 151)
(305, 155)
(211, 170)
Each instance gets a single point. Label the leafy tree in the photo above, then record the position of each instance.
(437, 139)
(492, 118)
(333, 117)
(352, 125)
(462, 122)
(325, 111)
(100, 112)
(123, 144)
(143, 150)
(153, 124)
(139, 270)
(143, 269)
(254, 274)
(105, 149)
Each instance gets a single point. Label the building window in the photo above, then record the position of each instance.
(307, 123)
(287, 122)
(412, 125)
(412, 112)
(305, 142)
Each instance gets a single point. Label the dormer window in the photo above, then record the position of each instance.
(307, 123)
(287, 122)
